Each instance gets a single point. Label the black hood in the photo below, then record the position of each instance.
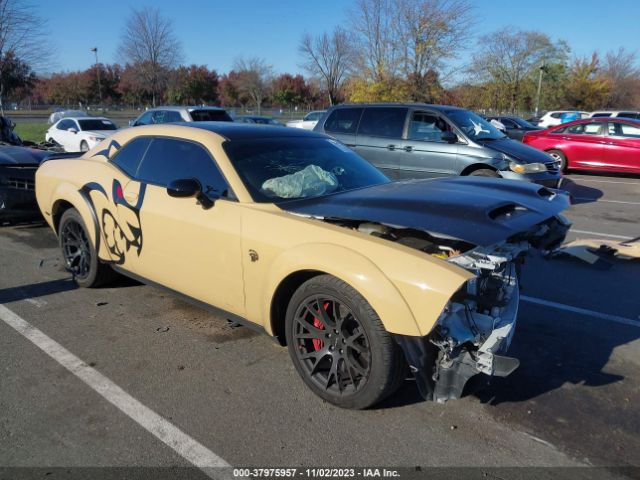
(12, 155)
(517, 150)
(482, 211)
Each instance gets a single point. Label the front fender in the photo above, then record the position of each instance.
(352, 268)
(407, 290)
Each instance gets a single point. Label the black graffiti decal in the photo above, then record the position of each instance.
(107, 150)
(126, 234)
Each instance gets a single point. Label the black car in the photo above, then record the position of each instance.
(18, 164)
(515, 127)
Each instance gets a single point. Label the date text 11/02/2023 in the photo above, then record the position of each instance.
(315, 472)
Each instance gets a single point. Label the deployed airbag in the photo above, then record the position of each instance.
(309, 182)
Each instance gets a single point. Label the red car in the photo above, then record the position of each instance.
(610, 144)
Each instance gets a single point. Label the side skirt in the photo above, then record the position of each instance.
(195, 302)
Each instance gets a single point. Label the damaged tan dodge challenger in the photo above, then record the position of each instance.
(367, 281)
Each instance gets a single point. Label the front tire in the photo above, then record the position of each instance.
(559, 156)
(339, 346)
(484, 172)
(79, 253)
(84, 146)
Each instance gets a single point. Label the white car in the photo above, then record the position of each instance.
(79, 134)
(308, 122)
(553, 118)
(615, 113)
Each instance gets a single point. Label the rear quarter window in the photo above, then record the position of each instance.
(343, 120)
(210, 116)
(128, 157)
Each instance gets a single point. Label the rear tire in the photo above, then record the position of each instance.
(558, 155)
(339, 346)
(79, 253)
(484, 172)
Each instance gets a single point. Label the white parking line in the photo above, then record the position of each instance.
(597, 200)
(598, 234)
(582, 311)
(169, 434)
(607, 181)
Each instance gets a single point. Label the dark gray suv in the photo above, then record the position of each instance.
(421, 141)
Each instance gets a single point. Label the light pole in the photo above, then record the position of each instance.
(539, 88)
(95, 50)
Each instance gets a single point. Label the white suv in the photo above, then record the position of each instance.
(553, 118)
(615, 113)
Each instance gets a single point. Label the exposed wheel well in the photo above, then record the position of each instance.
(58, 210)
(477, 166)
(281, 298)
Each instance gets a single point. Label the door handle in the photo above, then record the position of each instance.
(408, 148)
(391, 147)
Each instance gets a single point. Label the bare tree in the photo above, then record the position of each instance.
(22, 37)
(149, 44)
(371, 22)
(509, 56)
(254, 79)
(622, 70)
(330, 57)
(428, 33)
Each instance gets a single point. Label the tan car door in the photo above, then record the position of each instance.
(189, 247)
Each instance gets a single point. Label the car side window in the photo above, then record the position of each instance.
(508, 123)
(628, 114)
(169, 159)
(618, 129)
(599, 115)
(172, 116)
(129, 156)
(556, 115)
(65, 125)
(427, 127)
(158, 117)
(145, 119)
(312, 117)
(343, 120)
(383, 122)
(585, 129)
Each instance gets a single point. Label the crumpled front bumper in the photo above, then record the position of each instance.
(464, 343)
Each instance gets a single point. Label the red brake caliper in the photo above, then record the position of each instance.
(317, 343)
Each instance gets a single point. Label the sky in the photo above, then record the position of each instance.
(216, 32)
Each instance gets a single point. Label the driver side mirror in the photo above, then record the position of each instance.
(72, 130)
(449, 137)
(132, 123)
(189, 187)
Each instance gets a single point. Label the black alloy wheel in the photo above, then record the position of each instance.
(76, 249)
(332, 345)
(339, 345)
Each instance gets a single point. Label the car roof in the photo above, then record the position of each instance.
(632, 121)
(85, 118)
(442, 108)
(177, 108)
(246, 131)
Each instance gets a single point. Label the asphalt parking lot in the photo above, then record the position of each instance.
(574, 401)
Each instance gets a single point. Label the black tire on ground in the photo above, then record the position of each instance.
(558, 155)
(84, 146)
(340, 347)
(484, 172)
(79, 253)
